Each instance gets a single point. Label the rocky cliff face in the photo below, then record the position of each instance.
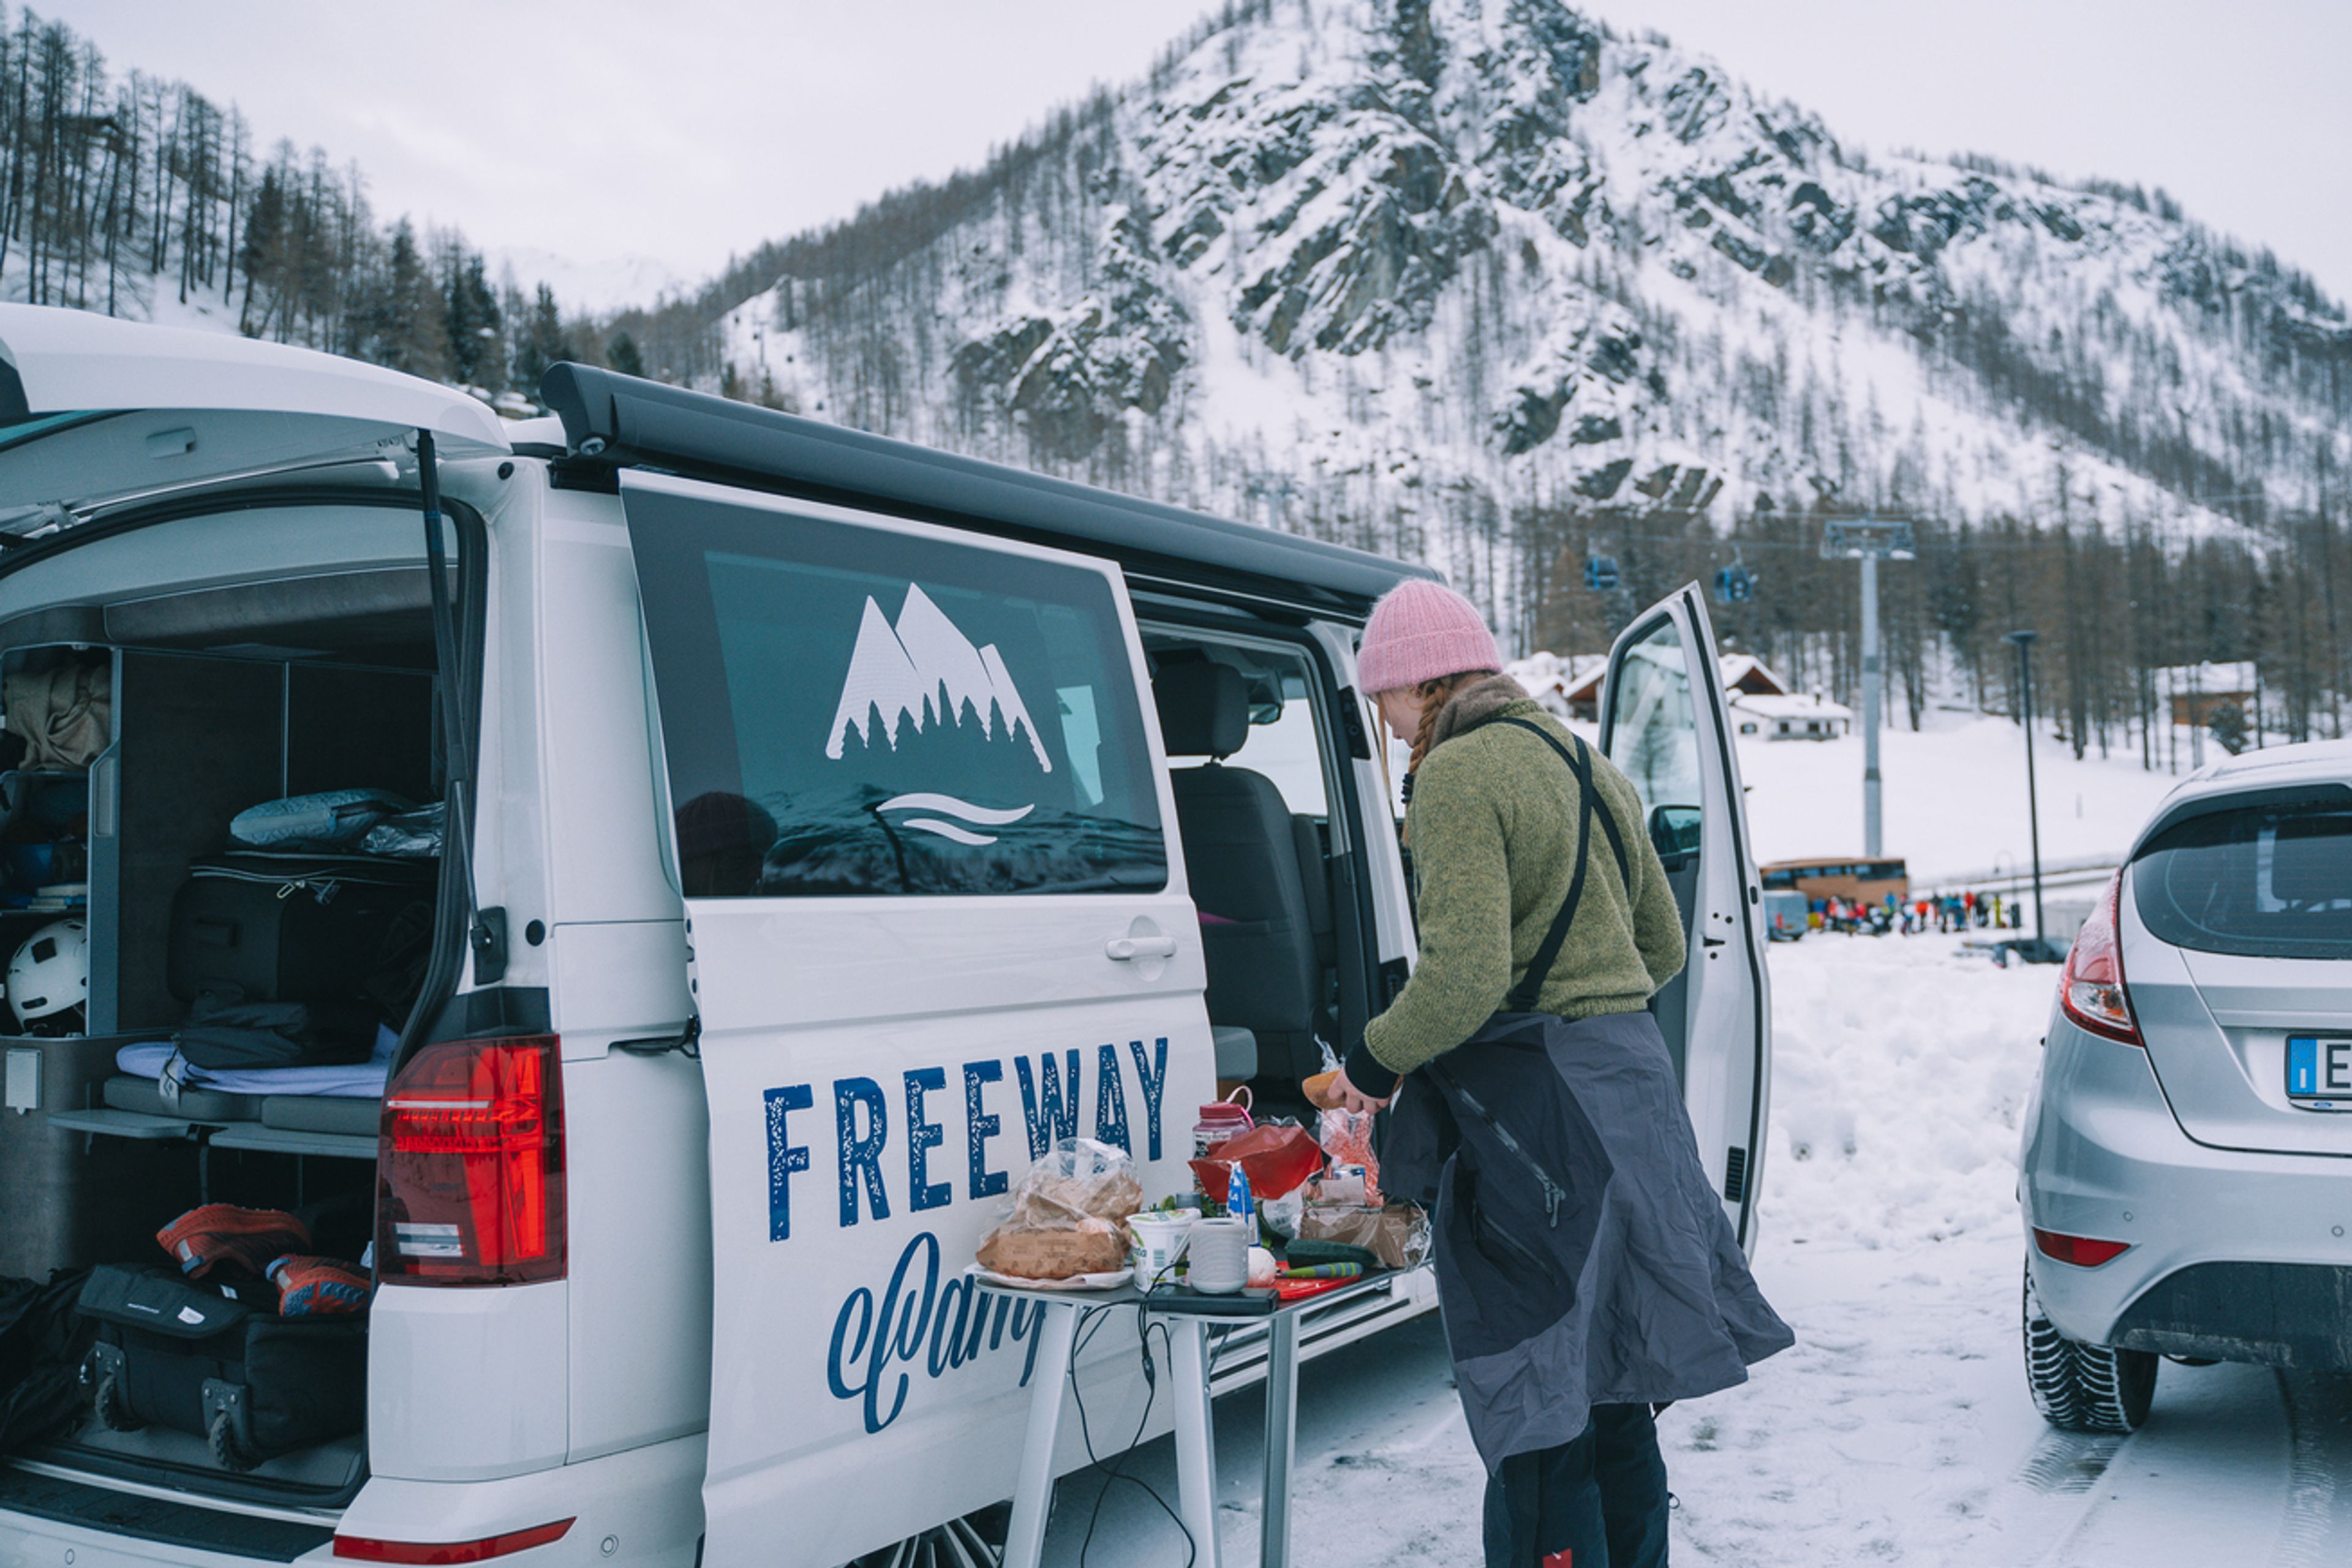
(1414, 273)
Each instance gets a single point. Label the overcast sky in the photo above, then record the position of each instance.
(688, 130)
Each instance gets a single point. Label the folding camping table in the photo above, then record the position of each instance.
(1188, 1318)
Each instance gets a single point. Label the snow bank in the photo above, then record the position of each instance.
(1900, 1066)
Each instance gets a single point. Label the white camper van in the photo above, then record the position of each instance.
(828, 825)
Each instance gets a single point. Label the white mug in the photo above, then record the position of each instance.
(1221, 1255)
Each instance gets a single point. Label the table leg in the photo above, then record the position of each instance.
(1281, 1438)
(1196, 1443)
(1032, 1492)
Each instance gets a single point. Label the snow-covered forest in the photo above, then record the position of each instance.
(137, 197)
(1483, 281)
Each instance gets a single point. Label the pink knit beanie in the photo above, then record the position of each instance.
(1419, 631)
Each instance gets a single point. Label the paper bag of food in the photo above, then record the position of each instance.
(1397, 1234)
(1068, 1215)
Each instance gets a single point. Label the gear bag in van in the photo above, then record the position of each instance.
(252, 1384)
(290, 927)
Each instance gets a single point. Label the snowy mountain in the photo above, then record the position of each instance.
(1461, 279)
(924, 671)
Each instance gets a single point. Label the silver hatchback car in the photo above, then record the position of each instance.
(2187, 1180)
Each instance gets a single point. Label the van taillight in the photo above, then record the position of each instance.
(2091, 987)
(470, 1167)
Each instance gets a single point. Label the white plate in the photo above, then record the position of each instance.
(1104, 1281)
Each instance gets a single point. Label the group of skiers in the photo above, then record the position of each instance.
(1951, 912)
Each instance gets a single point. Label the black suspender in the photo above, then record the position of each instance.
(1525, 995)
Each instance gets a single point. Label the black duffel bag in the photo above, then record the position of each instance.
(262, 927)
(226, 1034)
(255, 1385)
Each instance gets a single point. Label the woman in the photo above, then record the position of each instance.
(1585, 1268)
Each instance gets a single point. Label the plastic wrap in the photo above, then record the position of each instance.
(1068, 1216)
(1347, 1140)
(406, 836)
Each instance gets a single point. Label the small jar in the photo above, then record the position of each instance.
(1219, 1121)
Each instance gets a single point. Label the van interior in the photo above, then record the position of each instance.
(1251, 733)
(223, 697)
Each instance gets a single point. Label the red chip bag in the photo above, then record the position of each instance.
(1278, 1159)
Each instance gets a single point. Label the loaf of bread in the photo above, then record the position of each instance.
(1094, 1247)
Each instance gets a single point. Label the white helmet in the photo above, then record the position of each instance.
(50, 973)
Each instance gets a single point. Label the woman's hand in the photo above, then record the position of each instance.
(1343, 1095)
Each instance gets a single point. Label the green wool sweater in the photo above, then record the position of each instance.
(1493, 826)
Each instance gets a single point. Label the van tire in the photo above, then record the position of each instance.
(2082, 1387)
(975, 1541)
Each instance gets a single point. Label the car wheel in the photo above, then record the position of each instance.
(2083, 1387)
(975, 1541)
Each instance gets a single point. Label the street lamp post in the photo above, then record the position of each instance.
(2024, 641)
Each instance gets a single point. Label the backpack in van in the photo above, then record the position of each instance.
(251, 1383)
(260, 927)
(42, 1343)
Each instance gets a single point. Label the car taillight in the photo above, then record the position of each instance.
(436, 1554)
(2081, 1251)
(2091, 987)
(470, 1167)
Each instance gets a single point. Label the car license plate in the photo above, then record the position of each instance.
(2319, 1071)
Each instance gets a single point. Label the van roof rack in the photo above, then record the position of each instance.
(622, 420)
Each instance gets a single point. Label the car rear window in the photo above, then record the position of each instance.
(2272, 879)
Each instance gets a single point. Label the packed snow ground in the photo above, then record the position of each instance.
(1898, 1430)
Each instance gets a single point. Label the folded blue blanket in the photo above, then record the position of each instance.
(355, 1080)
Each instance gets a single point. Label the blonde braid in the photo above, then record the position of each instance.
(1435, 695)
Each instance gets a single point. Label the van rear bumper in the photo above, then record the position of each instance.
(647, 1503)
(45, 1517)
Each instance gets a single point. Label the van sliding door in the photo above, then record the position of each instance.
(938, 921)
(1665, 722)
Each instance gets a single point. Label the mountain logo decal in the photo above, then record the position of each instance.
(922, 672)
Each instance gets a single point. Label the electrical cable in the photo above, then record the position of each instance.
(1091, 1322)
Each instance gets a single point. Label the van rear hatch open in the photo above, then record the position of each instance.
(96, 413)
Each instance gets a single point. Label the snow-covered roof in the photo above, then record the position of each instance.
(1577, 676)
(1741, 666)
(1766, 706)
(1542, 671)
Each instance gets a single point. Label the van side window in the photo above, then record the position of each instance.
(850, 711)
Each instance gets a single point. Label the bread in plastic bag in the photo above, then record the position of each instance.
(1069, 1214)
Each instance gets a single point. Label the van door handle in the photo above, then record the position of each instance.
(1122, 949)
